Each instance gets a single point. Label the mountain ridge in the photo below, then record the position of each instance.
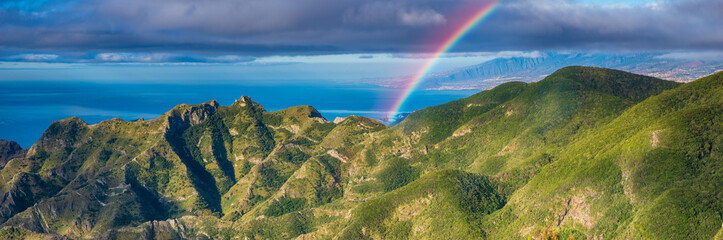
(585, 153)
(9, 150)
(537, 66)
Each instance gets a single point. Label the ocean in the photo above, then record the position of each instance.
(27, 108)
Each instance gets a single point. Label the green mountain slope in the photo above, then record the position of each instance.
(585, 153)
(653, 172)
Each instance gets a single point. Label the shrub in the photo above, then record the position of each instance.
(285, 205)
(397, 174)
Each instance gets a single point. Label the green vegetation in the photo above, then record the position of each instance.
(397, 174)
(292, 155)
(586, 153)
(285, 205)
(450, 201)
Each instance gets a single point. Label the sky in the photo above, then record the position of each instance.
(268, 70)
(243, 31)
(106, 46)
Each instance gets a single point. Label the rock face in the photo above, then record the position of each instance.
(180, 120)
(10, 150)
(23, 194)
(593, 153)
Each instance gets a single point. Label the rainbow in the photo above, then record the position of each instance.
(448, 44)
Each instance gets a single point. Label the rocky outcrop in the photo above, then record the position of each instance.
(10, 150)
(25, 191)
(180, 118)
(66, 133)
(179, 228)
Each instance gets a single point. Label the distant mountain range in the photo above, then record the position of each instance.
(529, 69)
(585, 153)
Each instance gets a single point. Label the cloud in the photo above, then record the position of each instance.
(518, 54)
(170, 30)
(391, 13)
(229, 59)
(125, 57)
(128, 57)
(663, 25)
(421, 17)
(31, 58)
(706, 55)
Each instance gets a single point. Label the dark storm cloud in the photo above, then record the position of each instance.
(86, 28)
(663, 25)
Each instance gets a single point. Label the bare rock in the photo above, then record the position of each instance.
(10, 150)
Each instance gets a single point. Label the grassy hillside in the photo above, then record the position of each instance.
(587, 153)
(438, 205)
(653, 172)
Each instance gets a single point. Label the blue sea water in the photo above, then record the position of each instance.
(28, 107)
